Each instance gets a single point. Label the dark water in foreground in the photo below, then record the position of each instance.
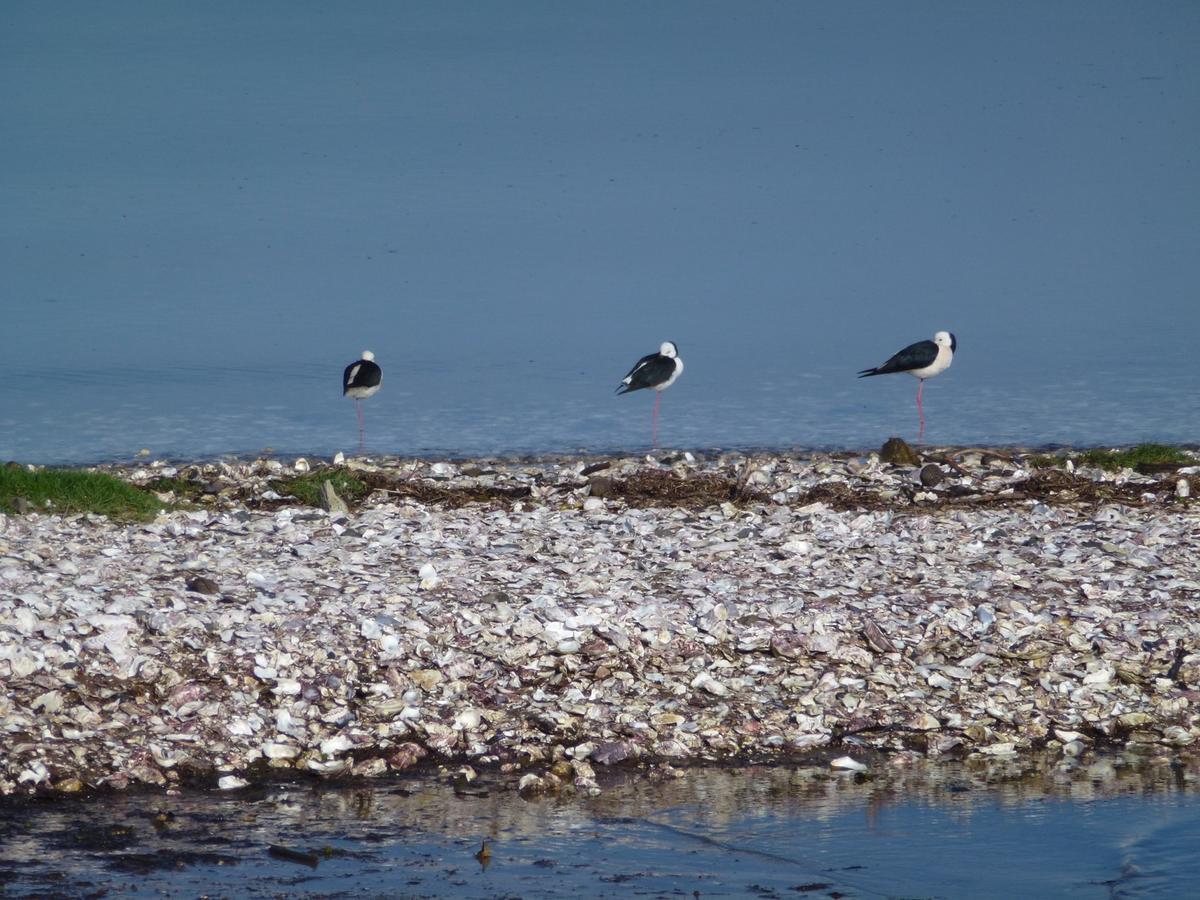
(1106, 829)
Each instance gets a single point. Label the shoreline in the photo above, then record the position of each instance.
(567, 457)
(546, 620)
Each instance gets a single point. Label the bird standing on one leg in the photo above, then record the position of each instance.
(360, 380)
(922, 360)
(656, 370)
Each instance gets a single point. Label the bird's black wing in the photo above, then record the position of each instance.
(914, 356)
(363, 373)
(649, 371)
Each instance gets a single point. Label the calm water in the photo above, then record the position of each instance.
(210, 209)
(1106, 830)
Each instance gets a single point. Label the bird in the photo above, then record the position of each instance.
(922, 360)
(361, 380)
(655, 370)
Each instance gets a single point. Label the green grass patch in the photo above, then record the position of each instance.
(307, 488)
(1131, 458)
(1044, 461)
(68, 491)
(1112, 460)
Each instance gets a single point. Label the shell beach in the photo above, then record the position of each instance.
(547, 618)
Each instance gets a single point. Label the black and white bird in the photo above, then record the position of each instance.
(656, 370)
(361, 380)
(922, 360)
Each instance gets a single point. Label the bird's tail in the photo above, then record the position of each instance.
(624, 388)
(866, 373)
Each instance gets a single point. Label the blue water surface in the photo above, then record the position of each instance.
(751, 832)
(210, 209)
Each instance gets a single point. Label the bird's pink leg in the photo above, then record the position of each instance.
(654, 421)
(920, 411)
(361, 426)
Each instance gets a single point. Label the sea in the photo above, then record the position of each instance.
(209, 210)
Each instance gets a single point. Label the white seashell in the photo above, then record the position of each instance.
(369, 628)
(706, 682)
(239, 728)
(49, 702)
(1178, 735)
(335, 745)
(468, 719)
(847, 764)
(940, 681)
(231, 782)
(35, 773)
(1004, 748)
(328, 766)
(429, 576)
(529, 783)
(273, 750)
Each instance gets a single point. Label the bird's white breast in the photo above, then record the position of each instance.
(940, 364)
(670, 381)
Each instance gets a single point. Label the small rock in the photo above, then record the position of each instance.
(200, 584)
(897, 452)
(331, 501)
(931, 475)
(611, 753)
(601, 486)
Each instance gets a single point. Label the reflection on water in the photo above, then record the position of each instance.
(1111, 828)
